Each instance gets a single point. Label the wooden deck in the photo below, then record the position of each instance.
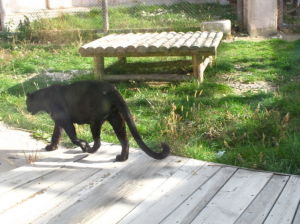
(73, 187)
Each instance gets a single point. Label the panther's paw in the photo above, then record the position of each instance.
(51, 147)
(121, 158)
(92, 150)
(85, 147)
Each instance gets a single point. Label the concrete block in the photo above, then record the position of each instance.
(219, 25)
(261, 17)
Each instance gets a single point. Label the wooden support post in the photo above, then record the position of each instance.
(105, 16)
(198, 70)
(47, 4)
(99, 67)
(212, 59)
(122, 60)
(199, 65)
(240, 15)
(281, 6)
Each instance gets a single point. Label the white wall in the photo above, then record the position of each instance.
(13, 6)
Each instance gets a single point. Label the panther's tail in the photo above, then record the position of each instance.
(120, 103)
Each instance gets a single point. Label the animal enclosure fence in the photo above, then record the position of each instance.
(119, 15)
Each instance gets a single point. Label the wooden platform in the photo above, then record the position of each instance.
(202, 46)
(74, 187)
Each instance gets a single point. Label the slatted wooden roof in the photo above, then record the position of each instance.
(148, 44)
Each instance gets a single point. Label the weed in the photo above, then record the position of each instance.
(31, 157)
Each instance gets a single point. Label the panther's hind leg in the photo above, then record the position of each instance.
(71, 132)
(118, 124)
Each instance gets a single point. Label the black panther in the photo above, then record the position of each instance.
(93, 103)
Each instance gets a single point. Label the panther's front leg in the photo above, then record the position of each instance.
(55, 138)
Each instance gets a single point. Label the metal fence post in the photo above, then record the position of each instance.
(105, 16)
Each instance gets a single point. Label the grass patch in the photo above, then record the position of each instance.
(75, 27)
(257, 130)
(175, 16)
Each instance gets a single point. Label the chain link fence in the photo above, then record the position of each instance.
(115, 15)
(289, 15)
(166, 14)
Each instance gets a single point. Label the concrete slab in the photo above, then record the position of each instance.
(217, 26)
(261, 17)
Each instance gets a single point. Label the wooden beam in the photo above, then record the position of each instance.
(91, 52)
(99, 67)
(199, 65)
(105, 16)
(240, 14)
(280, 12)
(148, 77)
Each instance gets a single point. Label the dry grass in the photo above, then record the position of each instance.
(5, 55)
(31, 157)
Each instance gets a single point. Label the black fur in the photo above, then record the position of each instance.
(88, 102)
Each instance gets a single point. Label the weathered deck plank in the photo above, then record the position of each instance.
(23, 202)
(297, 216)
(74, 187)
(133, 193)
(107, 169)
(170, 195)
(233, 198)
(263, 203)
(22, 175)
(108, 193)
(191, 207)
(54, 198)
(286, 206)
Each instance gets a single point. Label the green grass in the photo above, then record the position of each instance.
(179, 17)
(256, 130)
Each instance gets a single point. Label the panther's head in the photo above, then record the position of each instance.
(33, 103)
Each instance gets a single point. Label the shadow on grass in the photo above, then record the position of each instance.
(30, 85)
(176, 66)
(153, 67)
